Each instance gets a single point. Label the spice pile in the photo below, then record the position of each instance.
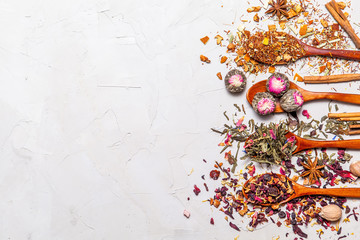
(280, 22)
(301, 214)
(266, 145)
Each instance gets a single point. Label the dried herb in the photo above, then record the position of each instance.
(268, 188)
(268, 144)
(237, 107)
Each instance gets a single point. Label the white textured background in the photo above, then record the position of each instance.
(105, 109)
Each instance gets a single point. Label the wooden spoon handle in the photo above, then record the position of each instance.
(347, 54)
(308, 144)
(335, 192)
(341, 97)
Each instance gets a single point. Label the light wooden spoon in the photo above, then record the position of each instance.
(308, 95)
(300, 190)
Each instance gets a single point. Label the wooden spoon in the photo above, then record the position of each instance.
(303, 144)
(308, 95)
(308, 50)
(300, 190)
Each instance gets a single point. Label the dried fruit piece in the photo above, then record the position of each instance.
(331, 212)
(223, 59)
(341, 5)
(265, 41)
(218, 39)
(272, 27)
(256, 18)
(298, 8)
(303, 30)
(204, 59)
(298, 78)
(324, 23)
(335, 27)
(271, 69)
(291, 13)
(282, 25)
(322, 68)
(219, 75)
(253, 9)
(300, 20)
(204, 40)
(315, 41)
(231, 47)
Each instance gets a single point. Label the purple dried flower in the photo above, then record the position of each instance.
(306, 114)
(196, 190)
(234, 226)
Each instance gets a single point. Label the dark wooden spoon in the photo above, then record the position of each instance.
(303, 144)
(308, 95)
(308, 50)
(300, 190)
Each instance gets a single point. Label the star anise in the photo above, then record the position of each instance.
(279, 8)
(312, 170)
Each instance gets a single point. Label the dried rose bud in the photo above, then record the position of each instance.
(263, 103)
(235, 81)
(277, 84)
(291, 101)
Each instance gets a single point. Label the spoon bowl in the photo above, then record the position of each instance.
(300, 190)
(308, 95)
(305, 50)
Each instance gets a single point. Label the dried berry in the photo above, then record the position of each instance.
(282, 214)
(214, 174)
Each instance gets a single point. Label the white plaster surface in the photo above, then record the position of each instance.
(106, 109)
